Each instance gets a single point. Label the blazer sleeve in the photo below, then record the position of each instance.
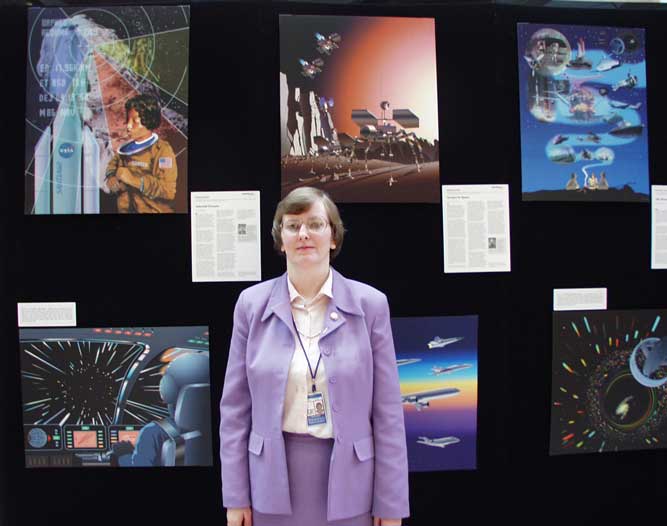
(235, 417)
(390, 494)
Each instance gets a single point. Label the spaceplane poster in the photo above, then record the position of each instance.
(609, 387)
(584, 130)
(359, 108)
(107, 110)
(437, 367)
(119, 397)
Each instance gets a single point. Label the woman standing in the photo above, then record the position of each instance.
(311, 422)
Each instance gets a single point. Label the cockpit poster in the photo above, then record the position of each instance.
(107, 110)
(609, 381)
(437, 368)
(359, 107)
(584, 129)
(116, 397)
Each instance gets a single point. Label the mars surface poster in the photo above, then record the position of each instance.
(359, 108)
(609, 389)
(584, 131)
(437, 367)
(119, 397)
(107, 110)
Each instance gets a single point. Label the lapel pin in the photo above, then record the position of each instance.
(333, 316)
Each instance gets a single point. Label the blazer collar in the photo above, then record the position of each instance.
(343, 299)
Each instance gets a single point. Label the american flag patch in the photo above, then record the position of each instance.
(165, 162)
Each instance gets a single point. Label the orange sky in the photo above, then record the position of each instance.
(465, 399)
(391, 59)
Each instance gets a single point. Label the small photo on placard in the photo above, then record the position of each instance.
(116, 396)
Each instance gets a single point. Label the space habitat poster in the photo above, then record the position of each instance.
(116, 397)
(107, 110)
(437, 367)
(584, 130)
(609, 381)
(359, 107)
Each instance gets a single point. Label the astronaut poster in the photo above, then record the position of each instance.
(116, 397)
(584, 130)
(107, 110)
(359, 107)
(437, 367)
(609, 387)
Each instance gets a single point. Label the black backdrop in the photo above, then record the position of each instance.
(135, 270)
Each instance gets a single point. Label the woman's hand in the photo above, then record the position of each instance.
(386, 522)
(239, 517)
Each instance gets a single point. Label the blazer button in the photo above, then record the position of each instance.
(332, 380)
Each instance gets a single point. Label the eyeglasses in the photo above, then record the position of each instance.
(314, 225)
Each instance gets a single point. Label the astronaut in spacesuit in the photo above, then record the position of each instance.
(143, 171)
(189, 368)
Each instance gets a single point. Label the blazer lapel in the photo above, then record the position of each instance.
(279, 303)
(333, 319)
(343, 303)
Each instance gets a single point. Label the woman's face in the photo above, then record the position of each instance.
(307, 237)
(135, 127)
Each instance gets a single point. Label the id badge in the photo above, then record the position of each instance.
(316, 409)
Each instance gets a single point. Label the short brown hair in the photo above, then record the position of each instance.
(148, 109)
(298, 201)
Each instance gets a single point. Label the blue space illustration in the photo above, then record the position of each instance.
(437, 366)
(584, 130)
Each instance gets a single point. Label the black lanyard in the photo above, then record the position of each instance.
(319, 359)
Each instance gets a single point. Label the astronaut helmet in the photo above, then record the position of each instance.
(188, 368)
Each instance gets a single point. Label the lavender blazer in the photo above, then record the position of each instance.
(368, 469)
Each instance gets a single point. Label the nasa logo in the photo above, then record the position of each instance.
(66, 150)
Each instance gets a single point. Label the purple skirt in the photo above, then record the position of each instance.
(308, 470)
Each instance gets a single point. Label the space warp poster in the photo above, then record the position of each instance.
(84, 66)
(437, 367)
(609, 386)
(584, 130)
(358, 107)
(120, 396)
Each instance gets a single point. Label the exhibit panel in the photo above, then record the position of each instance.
(238, 123)
(568, 244)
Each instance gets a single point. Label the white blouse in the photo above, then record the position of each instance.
(309, 320)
